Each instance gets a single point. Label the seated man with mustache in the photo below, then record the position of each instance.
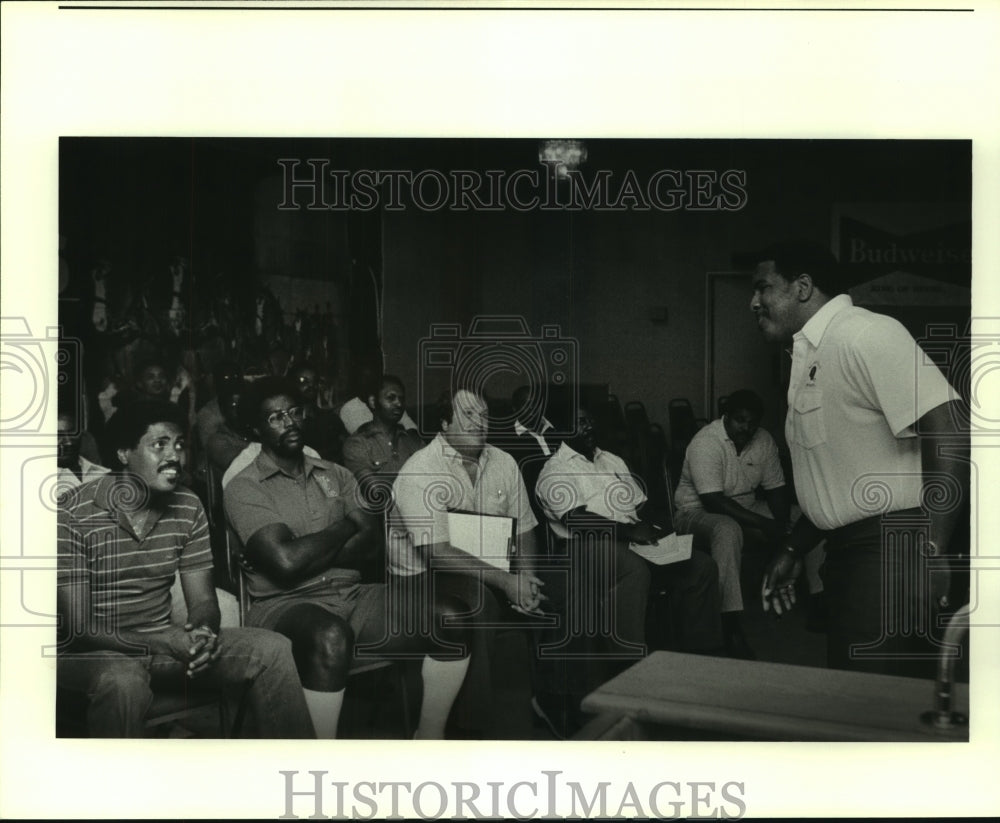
(306, 535)
(122, 540)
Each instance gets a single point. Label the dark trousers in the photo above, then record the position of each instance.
(468, 625)
(881, 618)
(691, 601)
(599, 592)
(119, 688)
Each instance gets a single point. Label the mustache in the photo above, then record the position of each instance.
(173, 464)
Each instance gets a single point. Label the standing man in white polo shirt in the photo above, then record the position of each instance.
(868, 419)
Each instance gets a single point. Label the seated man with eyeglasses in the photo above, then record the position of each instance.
(306, 534)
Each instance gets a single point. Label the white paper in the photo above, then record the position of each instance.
(484, 536)
(669, 549)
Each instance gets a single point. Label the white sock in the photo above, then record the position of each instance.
(324, 709)
(442, 680)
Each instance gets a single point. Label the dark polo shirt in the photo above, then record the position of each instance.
(263, 494)
(369, 448)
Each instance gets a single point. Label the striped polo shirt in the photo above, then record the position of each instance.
(130, 577)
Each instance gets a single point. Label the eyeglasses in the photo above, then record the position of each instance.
(285, 416)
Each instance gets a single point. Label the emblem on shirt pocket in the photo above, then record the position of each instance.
(812, 372)
(327, 487)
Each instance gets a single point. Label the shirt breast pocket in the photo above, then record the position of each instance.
(494, 501)
(335, 509)
(810, 427)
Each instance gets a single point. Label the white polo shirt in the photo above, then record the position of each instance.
(711, 464)
(606, 487)
(520, 430)
(67, 479)
(355, 413)
(433, 482)
(859, 382)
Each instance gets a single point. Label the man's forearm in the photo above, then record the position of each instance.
(205, 614)
(720, 504)
(356, 550)
(525, 551)
(582, 519)
(445, 556)
(944, 519)
(805, 535)
(124, 641)
(308, 555)
(778, 503)
(945, 461)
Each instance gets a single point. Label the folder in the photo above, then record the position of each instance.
(486, 536)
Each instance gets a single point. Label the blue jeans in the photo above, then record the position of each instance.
(119, 687)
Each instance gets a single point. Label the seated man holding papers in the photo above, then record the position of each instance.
(591, 501)
(457, 472)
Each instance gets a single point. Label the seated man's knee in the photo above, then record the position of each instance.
(489, 611)
(472, 598)
(448, 629)
(121, 678)
(323, 649)
(269, 647)
(632, 568)
(727, 534)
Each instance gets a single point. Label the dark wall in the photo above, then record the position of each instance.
(598, 275)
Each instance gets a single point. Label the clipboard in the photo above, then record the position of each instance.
(486, 536)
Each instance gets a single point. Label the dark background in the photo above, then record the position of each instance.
(602, 277)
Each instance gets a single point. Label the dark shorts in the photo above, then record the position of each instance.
(358, 604)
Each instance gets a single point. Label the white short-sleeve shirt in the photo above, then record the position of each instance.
(433, 482)
(859, 382)
(604, 486)
(711, 465)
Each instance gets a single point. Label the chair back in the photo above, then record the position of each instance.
(237, 572)
(668, 481)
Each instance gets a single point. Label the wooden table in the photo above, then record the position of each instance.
(766, 701)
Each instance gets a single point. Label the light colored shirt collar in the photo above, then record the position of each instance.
(567, 452)
(88, 470)
(520, 428)
(815, 327)
(728, 439)
(444, 448)
(108, 495)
